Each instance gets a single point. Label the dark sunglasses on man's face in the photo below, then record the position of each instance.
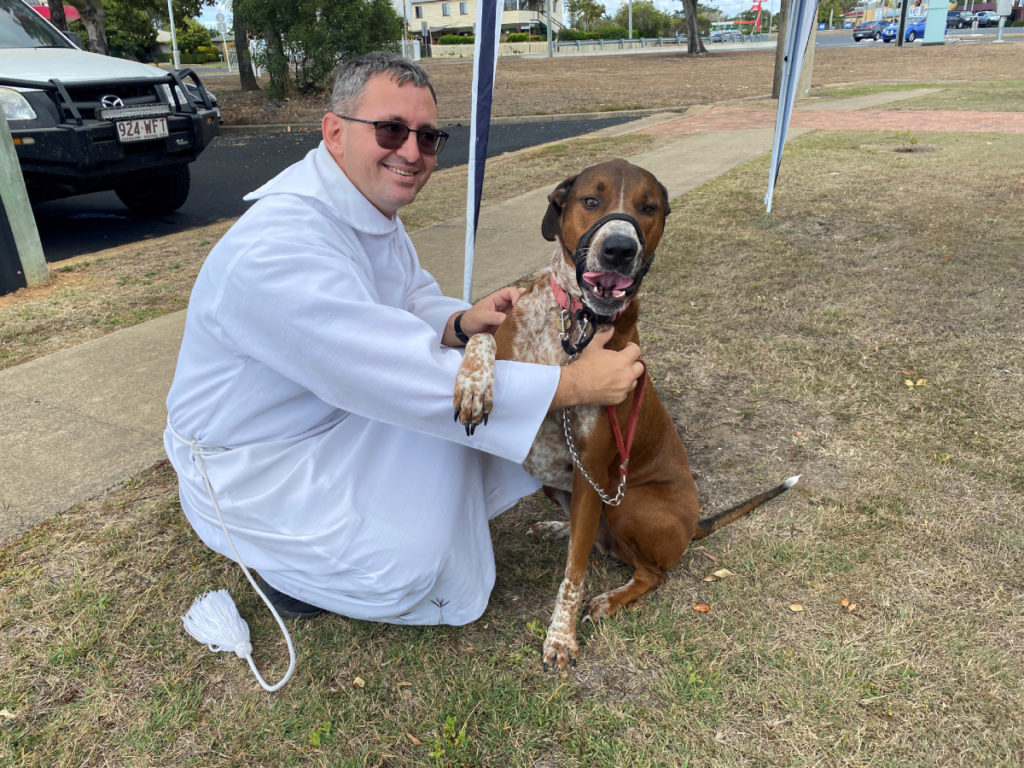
(391, 134)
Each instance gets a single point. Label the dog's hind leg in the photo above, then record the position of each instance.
(648, 533)
(553, 529)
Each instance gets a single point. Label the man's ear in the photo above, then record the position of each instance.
(332, 128)
(551, 226)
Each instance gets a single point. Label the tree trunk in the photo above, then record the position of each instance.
(246, 76)
(277, 66)
(95, 23)
(694, 45)
(57, 16)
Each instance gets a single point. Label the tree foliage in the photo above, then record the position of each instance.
(131, 32)
(190, 34)
(584, 14)
(835, 9)
(95, 13)
(306, 39)
(647, 19)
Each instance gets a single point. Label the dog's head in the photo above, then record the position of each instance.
(608, 219)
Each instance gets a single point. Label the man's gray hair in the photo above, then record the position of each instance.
(351, 76)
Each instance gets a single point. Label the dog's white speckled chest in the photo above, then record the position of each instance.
(536, 341)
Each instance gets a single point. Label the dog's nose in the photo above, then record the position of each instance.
(618, 250)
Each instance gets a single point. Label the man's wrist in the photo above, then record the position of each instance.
(457, 327)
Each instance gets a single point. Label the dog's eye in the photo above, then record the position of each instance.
(648, 209)
(590, 202)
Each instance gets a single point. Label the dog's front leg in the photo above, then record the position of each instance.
(473, 397)
(560, 647)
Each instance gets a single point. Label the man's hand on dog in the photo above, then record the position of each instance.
(483, 317)
(599, 376)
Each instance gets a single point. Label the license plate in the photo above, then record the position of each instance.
(141, 129)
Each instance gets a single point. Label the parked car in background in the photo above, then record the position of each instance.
(83, 123)
(914, 30)
(869, 30)
(725, 36)
(987, 18)
(959, 19)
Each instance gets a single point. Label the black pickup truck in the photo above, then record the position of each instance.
(85, 123)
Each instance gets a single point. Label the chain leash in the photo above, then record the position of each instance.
(611, 501)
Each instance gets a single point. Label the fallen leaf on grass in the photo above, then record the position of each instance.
(6, 714)
(795, 607)
(708, 555)
(721, 573)
(359, 682)
(415, 742)
(848, 605)
(402, 684)
(701, 607)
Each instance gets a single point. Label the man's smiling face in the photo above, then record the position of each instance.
(388, 178)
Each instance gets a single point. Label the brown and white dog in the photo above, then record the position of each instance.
(607, 222)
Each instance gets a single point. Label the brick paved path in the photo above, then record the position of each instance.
(735, 118)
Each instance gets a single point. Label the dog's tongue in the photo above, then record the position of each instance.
(608, 283)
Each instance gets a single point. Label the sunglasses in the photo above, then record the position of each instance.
(392, 135)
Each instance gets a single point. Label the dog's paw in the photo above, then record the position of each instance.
(473, 398)
(601, 607)
(560, 651)
(549, 530)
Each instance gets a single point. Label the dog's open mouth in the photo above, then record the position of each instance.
(607, 285)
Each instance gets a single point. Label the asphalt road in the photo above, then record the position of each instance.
(235, 164)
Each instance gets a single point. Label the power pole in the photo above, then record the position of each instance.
(781, 20)
(17, 225)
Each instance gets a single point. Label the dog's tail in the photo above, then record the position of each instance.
(711, 524)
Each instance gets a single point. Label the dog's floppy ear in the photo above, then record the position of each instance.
(551, 226)
(664, 193)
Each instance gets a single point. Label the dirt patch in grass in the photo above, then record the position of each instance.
(572, 84)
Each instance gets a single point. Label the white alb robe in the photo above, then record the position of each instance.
(312, 353)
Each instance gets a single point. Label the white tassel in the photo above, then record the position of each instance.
(214, 619)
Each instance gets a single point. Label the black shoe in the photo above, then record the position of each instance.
(287, 606)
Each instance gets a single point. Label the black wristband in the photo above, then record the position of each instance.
(459, 333)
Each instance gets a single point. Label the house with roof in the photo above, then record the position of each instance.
(434, 18)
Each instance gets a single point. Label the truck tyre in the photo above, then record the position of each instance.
(154, 194)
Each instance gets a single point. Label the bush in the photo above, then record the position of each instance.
(206, 53)
(456, 40)
(566, 34)
(525, 37)
(613, 33)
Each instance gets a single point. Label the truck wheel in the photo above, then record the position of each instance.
(157, 193)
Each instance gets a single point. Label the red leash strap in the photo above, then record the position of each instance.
(625, 446)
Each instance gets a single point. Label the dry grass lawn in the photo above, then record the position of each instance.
(866, 334)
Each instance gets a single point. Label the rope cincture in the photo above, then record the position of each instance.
(213, 618)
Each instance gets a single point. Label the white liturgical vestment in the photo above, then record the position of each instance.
(313, 379)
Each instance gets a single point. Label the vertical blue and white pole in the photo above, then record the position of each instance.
(802, 15)
(485, 63)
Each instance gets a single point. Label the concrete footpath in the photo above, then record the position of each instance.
(81, 421)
